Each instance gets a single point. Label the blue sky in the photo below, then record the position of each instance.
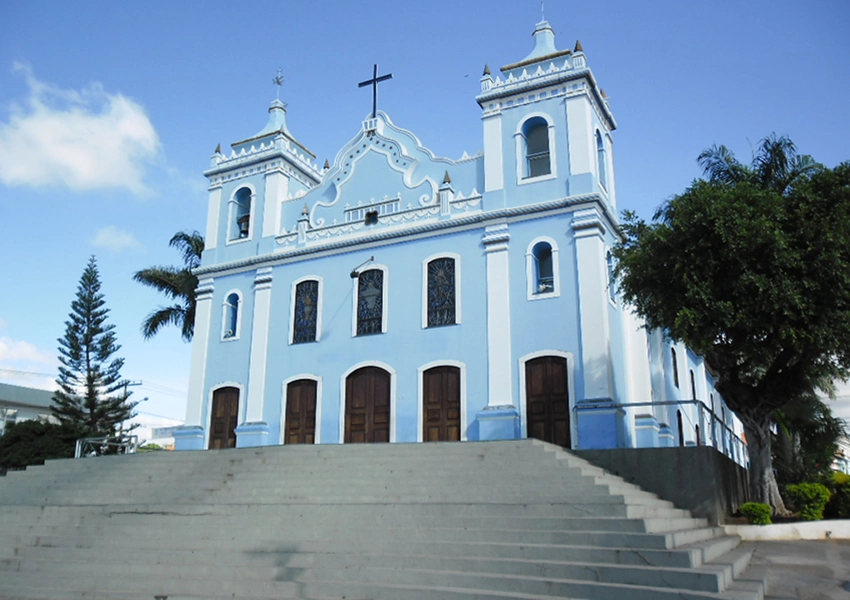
(110, 111)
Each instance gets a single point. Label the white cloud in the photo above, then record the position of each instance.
(22, 363)
(115, 239)
(22, 352)
(83, 140)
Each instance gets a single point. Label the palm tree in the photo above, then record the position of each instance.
(177, 284)
(775, 165)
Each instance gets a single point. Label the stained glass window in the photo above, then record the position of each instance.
(306, 311)
(370, 302)
(441, 292)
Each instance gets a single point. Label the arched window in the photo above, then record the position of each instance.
(230, 316)
(441, 292)
(240, 215)
(544, 277)
(541, 269)
(681, 427)
(535, 131)
(306, 313)
(600, 160)
(693, 386)
(675, 367)
(612, 292)
(370, 302)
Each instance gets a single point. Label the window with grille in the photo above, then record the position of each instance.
(306, 312)
(441, 292)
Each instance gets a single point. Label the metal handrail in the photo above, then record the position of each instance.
(100, 446)
(737, 452)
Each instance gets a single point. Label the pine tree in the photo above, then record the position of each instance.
(91, 392)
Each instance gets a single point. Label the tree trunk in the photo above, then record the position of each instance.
(763, 486)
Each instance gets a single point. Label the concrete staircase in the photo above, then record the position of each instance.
(447, 521)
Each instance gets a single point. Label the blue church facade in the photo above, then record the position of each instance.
(396, 296)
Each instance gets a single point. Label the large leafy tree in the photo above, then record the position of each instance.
(91, 394)
(750, 267)
(178, 284)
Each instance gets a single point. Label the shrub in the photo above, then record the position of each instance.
(838, 506)
(756, 512)
(809, 499)
(32, 442)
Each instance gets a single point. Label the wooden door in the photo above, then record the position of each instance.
(547, 408)
(225, 413)
(441, 404)
(367, 406)
(300, 421)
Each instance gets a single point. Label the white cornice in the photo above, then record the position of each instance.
(427, 228)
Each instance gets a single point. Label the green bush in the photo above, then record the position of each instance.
(756, 512)
(809, 499)
(838, 506)
(32, 442)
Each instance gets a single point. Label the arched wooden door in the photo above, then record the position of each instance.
(547, 399)
(300, 420)
(441, 404)
(367, 406)
(225, 413)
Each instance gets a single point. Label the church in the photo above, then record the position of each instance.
(397, 296)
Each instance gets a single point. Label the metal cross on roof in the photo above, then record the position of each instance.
(374, 83)
(278, 81)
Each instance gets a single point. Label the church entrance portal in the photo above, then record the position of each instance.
(300, 422)
(547, 400)
(225, 413)
(441, 404)
(367, 406)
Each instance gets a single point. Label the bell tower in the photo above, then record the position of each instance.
(548, 125)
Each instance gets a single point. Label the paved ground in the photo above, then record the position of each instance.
(805, 570)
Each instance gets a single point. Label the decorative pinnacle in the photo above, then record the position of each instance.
(602, 93)
(486, 70)
(305, 211)
(327, 165)
(578, 47)
(446, 178)
(218, 148)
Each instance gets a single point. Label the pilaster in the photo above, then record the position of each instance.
(187, 438)
(254, 431)
(213, 216)
(500, 419)
(277, 188)
(591, 266)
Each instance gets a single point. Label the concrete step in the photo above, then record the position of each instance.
(199, 540)
(271, 554)
(163, 525)
(77, 515)
(518, 519)
(713, 578)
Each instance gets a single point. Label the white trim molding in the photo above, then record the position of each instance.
(355, 282)
(393, 397)
(421, 395)
(531, 272)
(519, 138)
(237, 332)
(425, 262)
(240, 419)
(317, 434)
(319, 306)
(571, 390)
